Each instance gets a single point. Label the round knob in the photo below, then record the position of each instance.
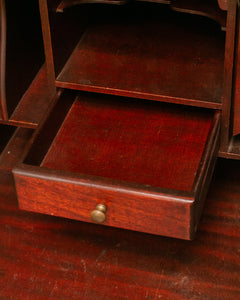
(98, 215)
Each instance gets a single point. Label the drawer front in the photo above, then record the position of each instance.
(126, 208)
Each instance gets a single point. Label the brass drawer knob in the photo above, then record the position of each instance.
(98, 215)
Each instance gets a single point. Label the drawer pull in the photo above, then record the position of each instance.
(98, 215)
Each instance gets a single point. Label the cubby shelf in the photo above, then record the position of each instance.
(150, 53)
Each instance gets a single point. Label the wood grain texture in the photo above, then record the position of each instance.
(45, 257)
(175, 64)
(131, 140)
(47, 42)
(226, 125)
(121, 153)
(3, 42)
(127, 206)
(236, 79)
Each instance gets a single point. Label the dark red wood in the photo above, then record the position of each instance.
(45, 257)
(140, 158)
(226, 124)
(3, 42)
(159, 58)
(236, 86)
(131, 140)
(47, 42)
(223, 4)
(128, 207)
(84, 82)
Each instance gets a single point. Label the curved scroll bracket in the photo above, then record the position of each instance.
(213, 9)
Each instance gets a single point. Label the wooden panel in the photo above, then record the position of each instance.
(226, 125)
(3, 42)
(133, 141)
(176, 65)
(129, 208)
(76, 260)
(236, 89)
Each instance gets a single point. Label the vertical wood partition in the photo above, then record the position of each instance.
(236, 105)
(228, 74)
(3, 31)
(43, 7)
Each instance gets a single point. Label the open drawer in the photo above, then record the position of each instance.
(147, 163)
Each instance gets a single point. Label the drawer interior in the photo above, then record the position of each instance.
(136, 141)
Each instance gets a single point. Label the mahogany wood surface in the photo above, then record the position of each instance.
(131, 140)
(162, 54)
(226, 124)
(236, 89)
(128, 206)
(44, 257)
(3, 42)
(139, 158)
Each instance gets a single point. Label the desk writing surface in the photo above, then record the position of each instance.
(44, 257)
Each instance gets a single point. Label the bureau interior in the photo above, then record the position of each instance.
(137, 141)
(24, 50)
(142, 50)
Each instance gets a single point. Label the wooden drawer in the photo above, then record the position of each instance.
(148, 163)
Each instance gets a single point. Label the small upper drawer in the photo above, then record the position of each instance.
(147, 163)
